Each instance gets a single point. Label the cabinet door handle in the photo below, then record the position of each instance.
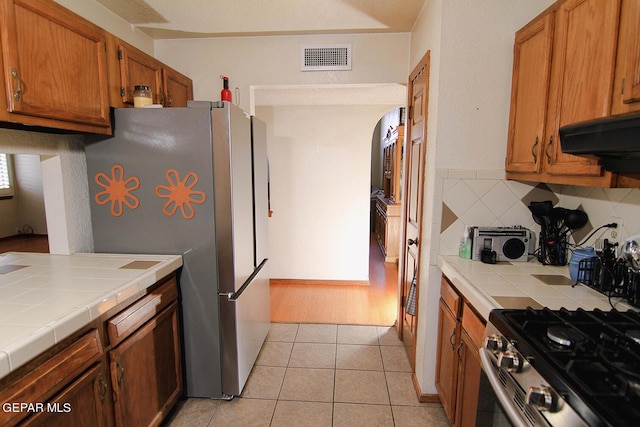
(412, 242)
(121, 373)
(453, 345)
(458, 351)
(546, 150)
(533, 150)
(16, 94)
(104, 388)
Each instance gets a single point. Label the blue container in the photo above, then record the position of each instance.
(577, 256)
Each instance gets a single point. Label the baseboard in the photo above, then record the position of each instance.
(21, 236)
(424, 398)
(318, 282)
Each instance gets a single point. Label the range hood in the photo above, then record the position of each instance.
(614, 140)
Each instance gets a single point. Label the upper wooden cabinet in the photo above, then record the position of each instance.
(61, 71)
(573, 47)
(178, 89)
(626, 90)
(530, 83)
(54, 68)
(583, 62)
(129, 66)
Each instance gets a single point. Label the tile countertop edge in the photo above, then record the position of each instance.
(471, 293)
(17, 353)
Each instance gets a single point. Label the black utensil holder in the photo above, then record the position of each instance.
(552, 251)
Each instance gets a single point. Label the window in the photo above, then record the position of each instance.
(6, 177)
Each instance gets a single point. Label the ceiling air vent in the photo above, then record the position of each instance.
(325, 57)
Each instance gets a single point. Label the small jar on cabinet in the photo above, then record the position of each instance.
(141, 96)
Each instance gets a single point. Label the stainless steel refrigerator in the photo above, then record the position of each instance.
(193, 181)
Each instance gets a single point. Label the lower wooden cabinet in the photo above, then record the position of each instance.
(469, 367)
(458, 366)
(145, 371)
(446, 370)
(129, 376)
(83, 403)
(387, 228)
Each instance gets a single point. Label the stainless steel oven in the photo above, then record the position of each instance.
(490, 411)
(561, 368)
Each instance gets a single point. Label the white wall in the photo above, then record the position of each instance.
(471, 46)
(320, 164)
(64, 184)
(29, 194)
(275, 60)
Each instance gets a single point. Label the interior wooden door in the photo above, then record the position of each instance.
(413, 189)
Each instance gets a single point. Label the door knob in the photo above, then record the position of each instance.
(412, 242)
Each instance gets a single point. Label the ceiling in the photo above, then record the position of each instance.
(170, 19)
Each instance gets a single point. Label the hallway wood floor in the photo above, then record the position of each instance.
(340, 304)
(25, 243)
(301, 302)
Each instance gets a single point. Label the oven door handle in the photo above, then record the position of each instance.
(500, 392)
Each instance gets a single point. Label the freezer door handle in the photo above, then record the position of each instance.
(234, 296)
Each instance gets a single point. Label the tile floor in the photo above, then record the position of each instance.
(321, 375)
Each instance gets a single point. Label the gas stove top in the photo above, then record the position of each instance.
(585, 362)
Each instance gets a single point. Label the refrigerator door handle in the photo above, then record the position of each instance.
(234, 296)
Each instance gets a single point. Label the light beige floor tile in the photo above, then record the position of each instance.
(313, 355)
(371, 386)
(419, 416)
(192, 412)
(355, 415)
(243, 413)
(388, 335)
(283, 332)
(264, 382)
(302, 414)
(357, 334)
(395, 359)
(317, 333)
(361, 357)
(361, 387)
(401, 390)
(275, 353)
(309, 385)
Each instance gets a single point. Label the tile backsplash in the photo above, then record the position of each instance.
(483, 197)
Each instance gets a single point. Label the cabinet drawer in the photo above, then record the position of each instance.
(55, 373)
(450, 297)
(473, 324)
(129, 320)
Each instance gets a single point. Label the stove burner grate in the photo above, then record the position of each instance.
(564, 335)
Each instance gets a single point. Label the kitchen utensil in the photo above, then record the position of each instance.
(631, 252)
(542, 209)
(557, 219)
(576, 219)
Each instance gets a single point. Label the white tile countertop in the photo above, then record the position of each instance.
(45, 298)
(521, 284)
